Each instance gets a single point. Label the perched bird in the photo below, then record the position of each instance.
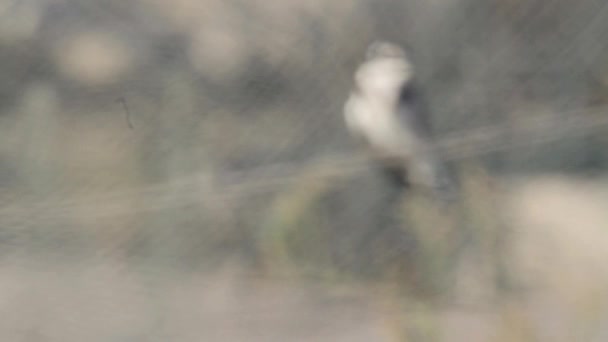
(387, 111)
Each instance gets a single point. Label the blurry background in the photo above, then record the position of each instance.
(179, 170)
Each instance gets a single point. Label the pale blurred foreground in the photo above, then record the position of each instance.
(559, 256)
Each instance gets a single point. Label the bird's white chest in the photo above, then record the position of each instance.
(378, 123)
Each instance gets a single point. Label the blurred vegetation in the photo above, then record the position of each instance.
(154, 132)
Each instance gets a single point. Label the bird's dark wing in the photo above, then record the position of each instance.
(413, 108)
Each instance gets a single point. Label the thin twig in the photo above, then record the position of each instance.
(127, 111)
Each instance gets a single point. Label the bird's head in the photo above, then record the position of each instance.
(385, 70)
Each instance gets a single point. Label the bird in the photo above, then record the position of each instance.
(387, 111)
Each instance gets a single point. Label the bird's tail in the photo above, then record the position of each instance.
(434, 174)
(427, 171)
